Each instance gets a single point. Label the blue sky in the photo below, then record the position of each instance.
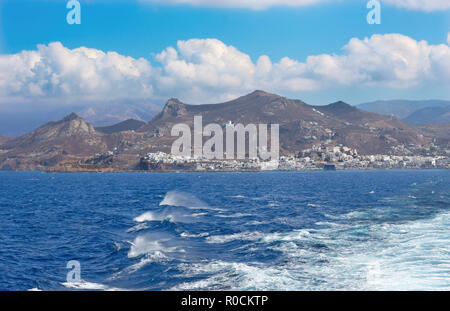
(320, 53)
(140, 29)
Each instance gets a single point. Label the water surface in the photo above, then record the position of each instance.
(364, 230)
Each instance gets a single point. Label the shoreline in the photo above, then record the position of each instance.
(213, 172)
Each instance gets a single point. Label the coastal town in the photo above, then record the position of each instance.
(318, 157)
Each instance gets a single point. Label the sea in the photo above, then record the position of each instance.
(313, 231)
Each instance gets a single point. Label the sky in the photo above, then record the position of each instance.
(210, 51)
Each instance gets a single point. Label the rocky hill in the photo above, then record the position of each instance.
(73, 144)
(430, 115)
(301, 125)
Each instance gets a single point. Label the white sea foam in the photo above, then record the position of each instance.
(237, 215)
(408, 256)
(148, 216)
(371, 256)
(238, 196)
(241, 236)
(236, 276)
(259, 237)
(155, 256)
(179, 198)
(84, 285)
(189, 235)
(173, 214)
(152, 244)
(286, 236)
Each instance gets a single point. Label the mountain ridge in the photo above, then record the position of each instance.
(429, 115)
(127, 125)
(74, 144)
(401, 108)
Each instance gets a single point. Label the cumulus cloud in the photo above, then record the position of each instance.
(204, 68)
(54, 71)
(208, 71)
(421, 5)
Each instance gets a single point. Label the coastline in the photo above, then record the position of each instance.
(225, 171)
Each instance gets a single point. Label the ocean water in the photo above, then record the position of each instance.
(351, 230)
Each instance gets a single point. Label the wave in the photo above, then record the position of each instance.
(237, 215)
(236, 276)
(89, 286)
(259, 237)
(238, 196)
(175, 215)
(184, 199)
(408, 256)
(154, 243)
(147, 216)
(241, 236)
(190, 235)
(175, 207)
(140, 226)
(411, 255)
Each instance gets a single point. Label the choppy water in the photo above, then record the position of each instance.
(251, 231)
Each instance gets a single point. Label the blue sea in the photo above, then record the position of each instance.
(349, 230)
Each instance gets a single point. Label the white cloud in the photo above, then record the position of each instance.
(206, 67)
(208, 71)
(448, 38)
(57, 72)
(420, 5)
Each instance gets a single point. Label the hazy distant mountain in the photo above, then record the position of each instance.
(429, 116)
(106, 115)
(401, 108)
(74, 144)
(128, 125)
(19, 123)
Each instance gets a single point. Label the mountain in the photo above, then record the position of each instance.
(112, 113)
(429, 115)
(21, 120)
(73, 144)
(128, 125)
(401, 108)
(4, 139)
(301, 125)
(51, 143)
